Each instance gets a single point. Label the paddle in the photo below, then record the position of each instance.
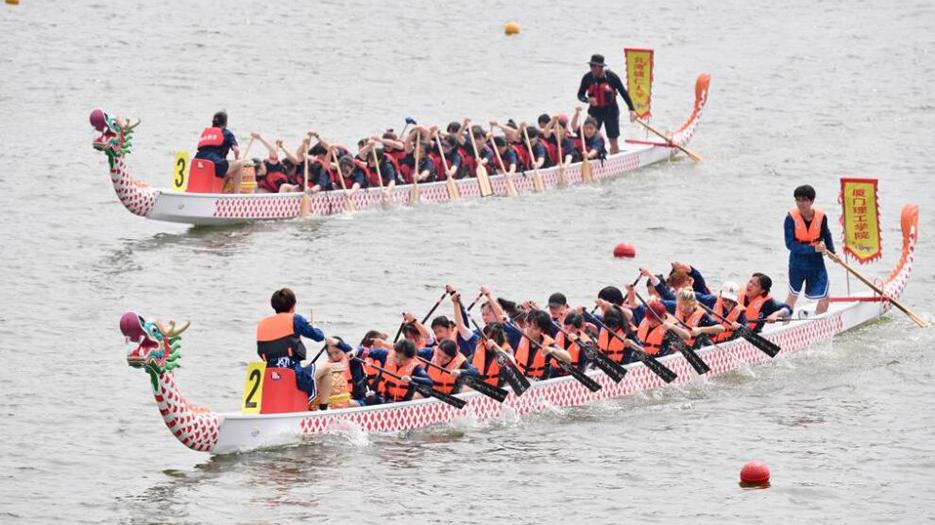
(651, 362)
(471, 306)
(494, 392)
(453, 193)
(350, 201)
(768, 347)
(508, 369)
(409, 120)
(305, 207)
(414, 191)
(562, 179)
(680, 345)
(912, 315)
(585, 161)
(426, 318)
(610, 367)
(537, 183)
(483, 179)
(696, 157)
(424, 390)
(510, 187)
(376, 163)
(580, 376)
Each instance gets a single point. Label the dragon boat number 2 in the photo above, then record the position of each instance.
(274, 411)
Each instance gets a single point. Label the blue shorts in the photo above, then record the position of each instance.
(815, 279)
(305, 379)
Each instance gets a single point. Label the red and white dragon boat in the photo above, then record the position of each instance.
(204, 430)
(224, 208)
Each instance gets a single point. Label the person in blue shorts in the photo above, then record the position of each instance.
(808, 238)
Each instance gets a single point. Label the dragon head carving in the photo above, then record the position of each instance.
(152, 346)
(116, 137)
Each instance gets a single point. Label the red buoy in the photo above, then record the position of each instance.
(754, 474)
(624, 250)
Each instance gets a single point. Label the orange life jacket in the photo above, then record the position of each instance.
(443, 381)
(532, 361)
(731, 317)
(613, 347)
(394, 389)
(211, 137)
(691, 321)
(651, 340)
(753, 310)
(812, 234)
(341, 385)
(487, 365)
(573, 349)
(276, 338)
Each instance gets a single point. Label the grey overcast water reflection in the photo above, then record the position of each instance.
(801, 92)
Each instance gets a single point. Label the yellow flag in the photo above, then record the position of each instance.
(180, 171)
(640, 79)
(253, 389)
(861, 219)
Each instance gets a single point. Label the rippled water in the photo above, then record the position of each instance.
(801, 92)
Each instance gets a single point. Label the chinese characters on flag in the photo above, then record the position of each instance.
(861, 219)
(640, 79)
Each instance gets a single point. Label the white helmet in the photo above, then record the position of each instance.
(730, 291)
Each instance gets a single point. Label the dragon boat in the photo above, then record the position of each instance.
(203, 430)
(194, 207)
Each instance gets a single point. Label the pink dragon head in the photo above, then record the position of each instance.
(152, 347)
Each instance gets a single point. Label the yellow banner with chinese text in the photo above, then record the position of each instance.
(640, 79)
(861, 219)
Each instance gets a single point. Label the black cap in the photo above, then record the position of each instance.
(597, 60)
(557, 299)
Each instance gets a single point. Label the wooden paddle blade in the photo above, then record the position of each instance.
(613, 369)
(453, 192)
(582, 378)
(537, 184)
(562, 178)
(586, 175)
(483, 181)
(414, 194)
(658, 368)
(305, 207)
(494, 392)
(426, 391)
(689, 354)
(765, 345)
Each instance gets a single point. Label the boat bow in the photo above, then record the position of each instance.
(116, 141)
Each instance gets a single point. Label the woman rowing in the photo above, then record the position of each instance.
(401, 362)
(214, 145)
(694, 326)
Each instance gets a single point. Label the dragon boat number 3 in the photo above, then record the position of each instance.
(194, 197)
(274, 411)
(180, 171)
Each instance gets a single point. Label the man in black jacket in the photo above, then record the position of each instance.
(599, 88)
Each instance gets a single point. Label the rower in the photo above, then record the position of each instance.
(485, 359)
(540, 153)
(365, 375)
(808, 238)
(760, 306)
(558, 309)
(272, 174)
(355, 173)
(651, 332)
(342, 382)
(593, 140)
(214, 145)
(279, 344)
(456, 366)
(573, 323)
(530, 358)
(507, 155)
(615, 322)
(599, 88)
(700, 326)
(403, 363)
(728, 306)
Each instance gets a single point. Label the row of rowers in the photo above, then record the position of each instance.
(441, 355)
(389, 159)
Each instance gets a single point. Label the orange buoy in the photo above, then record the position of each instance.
(12, 2)
(624, 250)
(511, 28)
(754, 474)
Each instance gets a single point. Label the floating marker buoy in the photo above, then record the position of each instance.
(511, 28)
(624, 250)
(12, 2)
(754, 474)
